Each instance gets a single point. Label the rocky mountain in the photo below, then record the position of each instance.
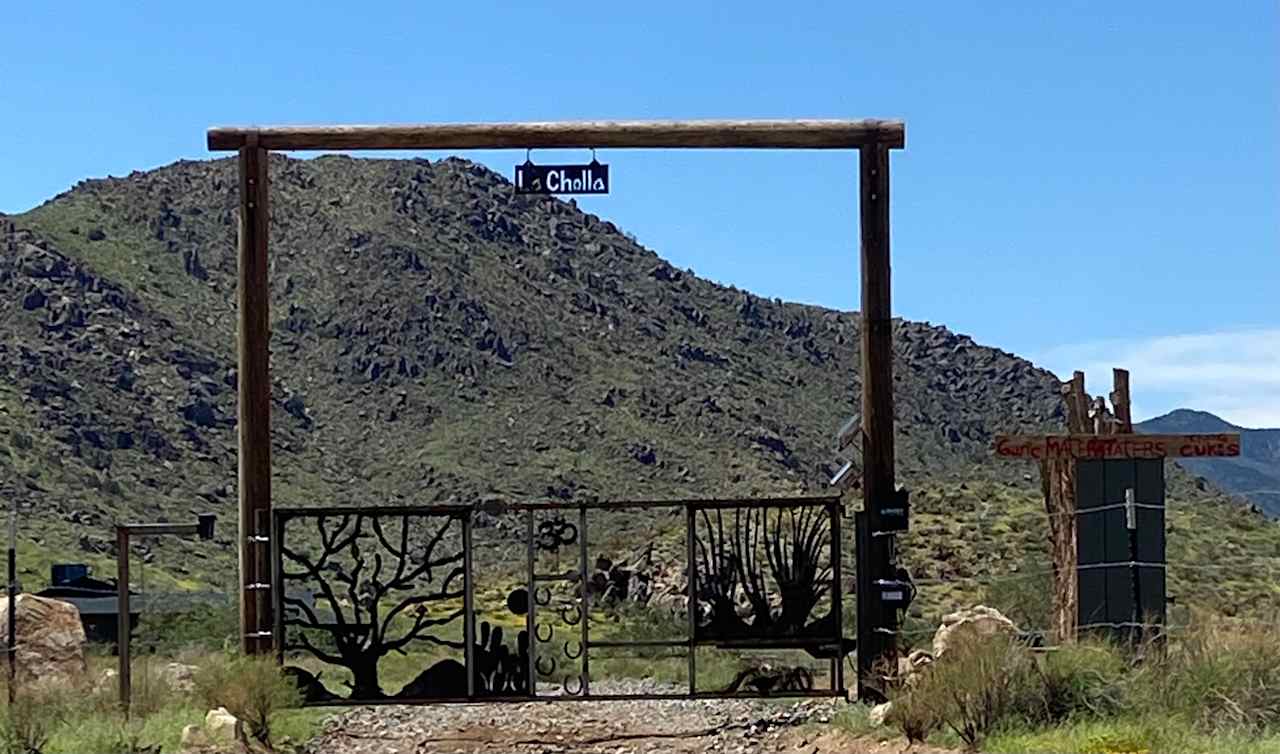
(1254, 474)
(436, 337)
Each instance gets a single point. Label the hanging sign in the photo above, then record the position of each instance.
(592, 178)
(1040, 447)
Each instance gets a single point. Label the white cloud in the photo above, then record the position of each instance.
(1234, 373)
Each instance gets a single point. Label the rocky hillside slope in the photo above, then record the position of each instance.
(436, 337)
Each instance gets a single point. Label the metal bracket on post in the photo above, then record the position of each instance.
(260, 585)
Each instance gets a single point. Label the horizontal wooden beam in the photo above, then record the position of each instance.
(1039, 447)
(681, 134)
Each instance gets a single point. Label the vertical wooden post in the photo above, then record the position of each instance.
(877, 400)
(123, 624)
(254, 380)
(1120, 401)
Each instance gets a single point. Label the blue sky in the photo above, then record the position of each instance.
(1084, 185)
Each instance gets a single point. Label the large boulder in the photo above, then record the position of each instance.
(50, 639)
(977, 622)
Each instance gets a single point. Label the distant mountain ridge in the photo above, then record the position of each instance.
(1254, 474)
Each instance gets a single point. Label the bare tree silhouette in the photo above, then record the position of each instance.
(387, 585)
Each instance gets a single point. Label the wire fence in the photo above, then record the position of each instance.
(989, 530)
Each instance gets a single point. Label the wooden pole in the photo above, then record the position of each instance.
(877, 401)
(1058, 480)
(254, 382)
(1120, 401)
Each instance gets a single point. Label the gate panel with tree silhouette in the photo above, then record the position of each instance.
(518, 602)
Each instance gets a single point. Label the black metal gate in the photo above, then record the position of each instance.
(433, 604)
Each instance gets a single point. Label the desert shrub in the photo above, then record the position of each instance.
(150, 690)
(28, 723)
(970, 690)
(251, 688)
(915, 715)
(1074, 681)
(1217, 675)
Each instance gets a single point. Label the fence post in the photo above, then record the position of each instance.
(122, 615)
(1135, 580)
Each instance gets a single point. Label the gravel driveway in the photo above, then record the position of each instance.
(736, 726)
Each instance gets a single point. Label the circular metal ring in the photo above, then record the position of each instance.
(571, 614)
(569, 654)
(537, 632)
(551, 669)
(572, 692)
(538, 598)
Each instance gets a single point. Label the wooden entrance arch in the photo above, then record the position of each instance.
(872, 138)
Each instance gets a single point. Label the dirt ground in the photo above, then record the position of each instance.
(629, 727)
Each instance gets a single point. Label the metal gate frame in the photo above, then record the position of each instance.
(819, 643)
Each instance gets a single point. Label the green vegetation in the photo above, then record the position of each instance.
(1198, 691)
(86, 716)
(251, 688)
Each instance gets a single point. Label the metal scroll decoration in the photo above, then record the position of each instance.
(554, 534)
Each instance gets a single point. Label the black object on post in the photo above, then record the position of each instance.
(894, 515)
(204, 525)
